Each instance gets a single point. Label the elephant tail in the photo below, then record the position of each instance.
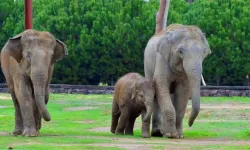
(162, 16)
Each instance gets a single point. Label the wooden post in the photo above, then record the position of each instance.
(28, 14)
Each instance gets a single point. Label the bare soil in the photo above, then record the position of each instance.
(229, 112)
(224, 106)
(4, 107)
(4, 133)
(80, 108)
(5, 97)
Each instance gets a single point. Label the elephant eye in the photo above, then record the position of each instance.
(28, 55)
(141, 96)
(180, 51)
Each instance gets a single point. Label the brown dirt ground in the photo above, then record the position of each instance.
(80, 108)
(5, 97)
(224, 106)
(132, 144)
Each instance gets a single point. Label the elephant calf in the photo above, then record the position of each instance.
(133, 95)
(27, 62)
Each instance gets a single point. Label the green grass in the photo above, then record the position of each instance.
(74, 129)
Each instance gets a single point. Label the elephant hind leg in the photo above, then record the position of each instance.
(18, 116)
(122, 121)
(115, 116)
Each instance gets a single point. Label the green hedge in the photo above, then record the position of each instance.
(106, 38)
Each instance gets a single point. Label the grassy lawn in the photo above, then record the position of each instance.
(83, 122)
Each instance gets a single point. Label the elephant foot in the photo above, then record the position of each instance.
(112, 131)
(17, 132)
(170, 132)
(180, 135)
(30, 132)
(145, 135)
(129, 132)
(156, 133)
(119, 132)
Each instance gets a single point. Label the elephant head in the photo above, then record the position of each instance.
(184, 48)
(143, 91)
(37, 52)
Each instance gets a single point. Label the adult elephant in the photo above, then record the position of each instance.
(27, 61)
(173, 58)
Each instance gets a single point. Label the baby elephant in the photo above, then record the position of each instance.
(133, 95)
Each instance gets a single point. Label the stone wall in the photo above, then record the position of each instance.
(90, 89)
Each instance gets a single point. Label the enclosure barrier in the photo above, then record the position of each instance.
(91, 89)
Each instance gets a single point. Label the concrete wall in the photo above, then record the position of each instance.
(90, 89)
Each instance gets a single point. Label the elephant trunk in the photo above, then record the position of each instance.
(195, 104)
(39, 79)
(194, 71)
(149, 108)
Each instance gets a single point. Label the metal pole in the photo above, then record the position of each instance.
(28, 14)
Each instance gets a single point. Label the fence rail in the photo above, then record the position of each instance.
(92, 89)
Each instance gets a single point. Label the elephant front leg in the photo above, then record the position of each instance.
(167, 108)
(156, 121)
(18, 116)
(38, 118)
(122, 121)
(145, 125)
(181, 97)
(27, 108)
(130, 125)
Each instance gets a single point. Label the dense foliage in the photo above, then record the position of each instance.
(106, 38)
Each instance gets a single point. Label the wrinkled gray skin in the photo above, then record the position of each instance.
(133, 96)
(173, 58)
(27, 61)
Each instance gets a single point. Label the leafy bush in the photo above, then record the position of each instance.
(106, 38)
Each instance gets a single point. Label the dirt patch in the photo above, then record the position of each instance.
(85, 121)
(4, 107)
(208, 120)
(80, 108)
(125, 146)
(5, 97)
(103, 103)
(224, 106)
(184, 141)
(107, 129)
(165, 141)
(12, 145)
(100, 129)
(4, 133)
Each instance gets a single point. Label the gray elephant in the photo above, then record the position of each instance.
(27, 62)
(133, 95)
(173, 58)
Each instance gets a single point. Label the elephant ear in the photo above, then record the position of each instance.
(60, 51)
(170, 38)
(163, 46)
(133, 90)
(14, 47)
(205, 42)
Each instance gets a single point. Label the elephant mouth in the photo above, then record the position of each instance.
(28, 71)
